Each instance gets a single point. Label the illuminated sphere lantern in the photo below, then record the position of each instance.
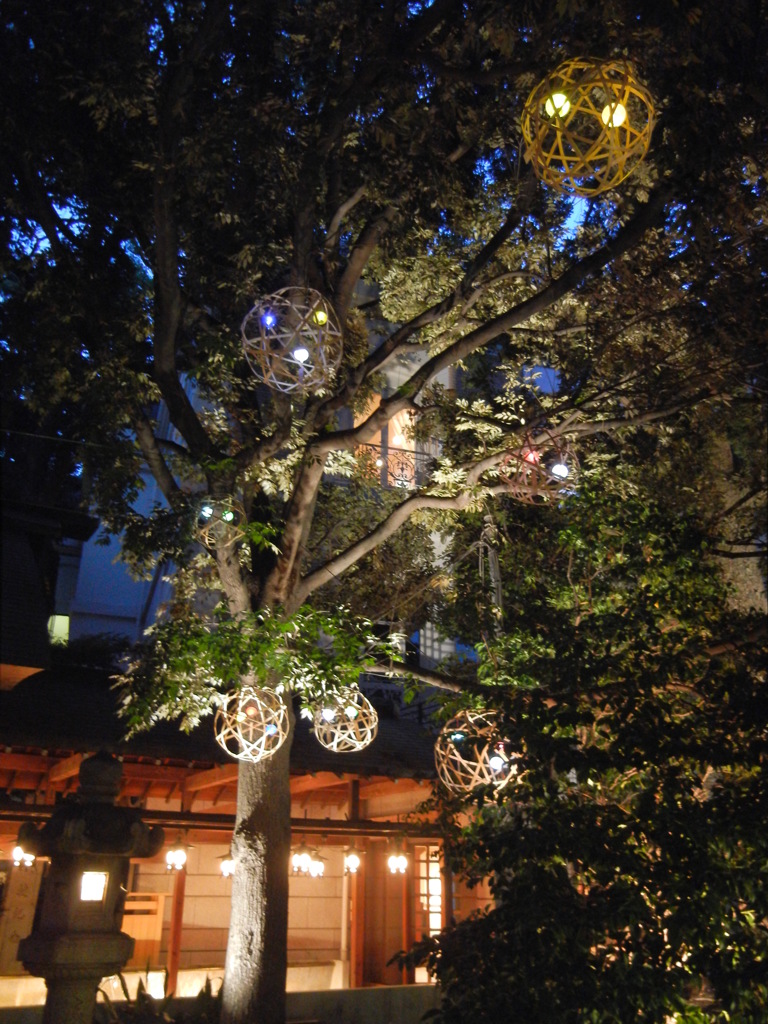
(470, 752)
(292, 340)
(346, 721)
(587, 125)
(541, 470)
(220, 521)
(252, 724)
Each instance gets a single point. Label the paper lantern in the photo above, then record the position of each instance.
(292, 340)
(587, 125)
(252, 724)
(346, 721)
(540, 470)
(470, 752)
(220, 521)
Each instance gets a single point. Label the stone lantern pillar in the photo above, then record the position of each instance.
(76, 938)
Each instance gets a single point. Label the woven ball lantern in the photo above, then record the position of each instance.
(541, 470)
(252, 724)
(587, 125)
(292, 340)
(346, 721)
(220, 521)
(470, 752)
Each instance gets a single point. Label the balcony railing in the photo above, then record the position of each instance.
(399, 467)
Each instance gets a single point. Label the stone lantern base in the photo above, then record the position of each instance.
(73, 965)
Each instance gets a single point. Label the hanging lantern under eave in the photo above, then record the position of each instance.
(252, 724)
(306, 861)
(470, 752)
(346, 721)
(22, 858)
(587, 125)
(352, 861)
(397, 861)
(292, 341)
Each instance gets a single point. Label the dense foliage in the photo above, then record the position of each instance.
(627, 858)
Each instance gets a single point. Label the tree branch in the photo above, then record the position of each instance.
(386, 529)
(369, 238)
(279, 584)
(154, 458)
(332, 234)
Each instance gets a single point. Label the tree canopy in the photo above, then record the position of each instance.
(166, 165)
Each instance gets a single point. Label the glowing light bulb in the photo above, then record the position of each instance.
(268, 319)
(206, 511)
(228, 516)
(320, 317)
(301, 861)
(21, 858)
(496, 762)
(558, 103)
(316, 867)
(351, 862)
(328, 714)
(397, 863)
(228, 867)
(614, 115)
(301, 355)
(270, 729)
(175, 859)
(559, 471)
(350, 711)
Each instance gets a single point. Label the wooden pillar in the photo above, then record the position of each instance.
(447, 893)
(357, 928)
(408, 973)
(177, 918)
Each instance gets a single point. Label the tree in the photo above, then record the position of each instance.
(166, 164)
(626, 855)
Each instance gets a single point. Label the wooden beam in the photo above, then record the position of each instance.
(376, 788)
(321, 780)
(27, 762)
(153, 773)
(65, 768)
(218, 776)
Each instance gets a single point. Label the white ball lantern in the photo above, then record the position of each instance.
(542, 469)
(587, 125)
(220, 521)
(292, 340)
(470, 751)
(346, 721)
(252, 724)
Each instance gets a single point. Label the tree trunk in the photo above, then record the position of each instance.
(256, 964)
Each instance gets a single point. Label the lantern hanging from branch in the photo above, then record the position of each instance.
(220, 521)
(252, 724)
(543, 469)
(292, 340)
(470, 752)
(587, 125)
(346, 721)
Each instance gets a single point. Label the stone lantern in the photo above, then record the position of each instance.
(76, 938)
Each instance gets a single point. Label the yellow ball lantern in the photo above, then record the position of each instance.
(587, 125)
